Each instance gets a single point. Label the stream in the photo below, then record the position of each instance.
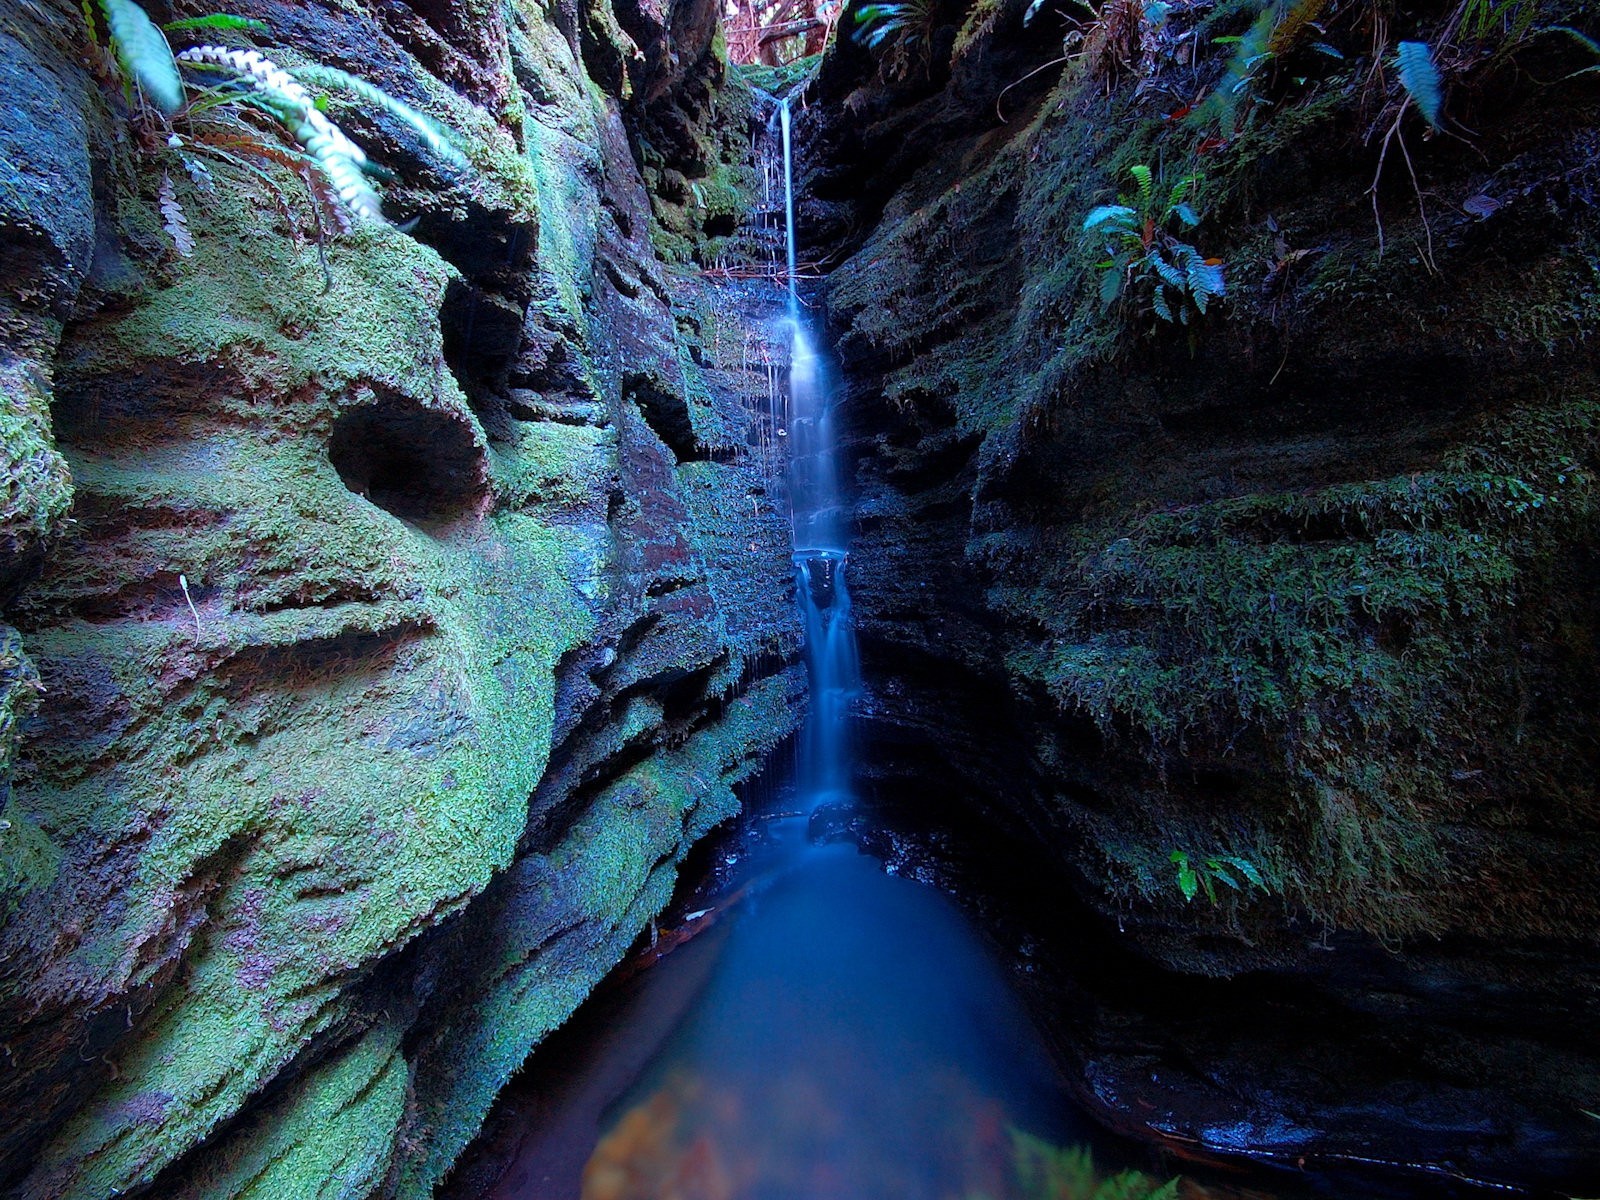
(828, 1030)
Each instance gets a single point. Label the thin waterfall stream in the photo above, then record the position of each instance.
(845, 1034)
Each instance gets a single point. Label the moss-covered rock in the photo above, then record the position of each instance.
(381, 636)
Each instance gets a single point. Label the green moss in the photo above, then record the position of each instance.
(1363, 629)
(612, 872)
(331, 1135)
(38, 486)
(340, 754)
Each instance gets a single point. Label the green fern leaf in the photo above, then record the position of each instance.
(1205, 281)
(225, 21)
(143, 53)
(1186, 214)
(1188, 881)
(1170, 274)
(1247, 869)
(436, 136)
(1164, 311)
(1220, 873)
(1111, 285)
(1142, 176)
(1420, 78)
(1117, 216)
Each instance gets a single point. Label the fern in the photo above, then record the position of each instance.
(1420, 78)
(173, 218)
(1291, 26)
(282, 94)
(1136, 233)
(223, 21)
(1194, 877)
(144, 54)
(1046, 1172)
(435, 135)
(1143, 178)
(903, 27)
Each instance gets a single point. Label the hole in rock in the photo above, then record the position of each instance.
(666, 412)
(418, 463)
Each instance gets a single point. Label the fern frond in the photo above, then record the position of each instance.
(199, 174)
(225, 21)
(326, 200)
(1206, 282)
(245, 167)
(173, 219)
(1297, 18)
(143, 53)
(1420, 78)
(1119, 218)
(340, 158)
(436, 136)
(1144, 179)
(1170, 274)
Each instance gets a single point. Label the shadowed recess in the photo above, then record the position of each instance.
(417, 463)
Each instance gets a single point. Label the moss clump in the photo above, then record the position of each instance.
(332, 1135)
(38, 485)
(699, 169)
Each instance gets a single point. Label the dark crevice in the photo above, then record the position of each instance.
(420, 464)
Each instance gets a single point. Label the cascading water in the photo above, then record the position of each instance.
(844, 1035)
(821, 551)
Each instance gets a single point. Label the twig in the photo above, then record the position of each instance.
(1054, 62)
(1395, 135)
(184, 584)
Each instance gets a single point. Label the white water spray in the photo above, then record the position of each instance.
(820, 546)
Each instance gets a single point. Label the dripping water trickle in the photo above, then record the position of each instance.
(821, 550)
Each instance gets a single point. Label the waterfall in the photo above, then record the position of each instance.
(820, 545)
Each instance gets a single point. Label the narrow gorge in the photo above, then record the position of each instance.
(947, 598)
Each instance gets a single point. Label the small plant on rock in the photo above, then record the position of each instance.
(1146, 257)
(1203, 874)
(242, 111)
(902, 30)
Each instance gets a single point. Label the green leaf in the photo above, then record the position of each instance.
(440, 140)
(1159, 303)
(1247, 869)
(1219, 872)
(1170, 274)
(1111, 285)
(142, 50)
(1420, 78)
(1142, 176)
(1118, 215)
(1188, 881)
(1186, 214)
(226, 21)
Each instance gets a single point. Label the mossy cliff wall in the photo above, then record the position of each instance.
(416, 610)
(1308, 583)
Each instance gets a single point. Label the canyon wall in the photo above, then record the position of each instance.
(1273, 622)
(423, 593)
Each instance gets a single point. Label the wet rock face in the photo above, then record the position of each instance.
(1159, 600)
(391, 660)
